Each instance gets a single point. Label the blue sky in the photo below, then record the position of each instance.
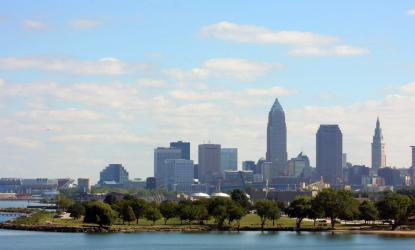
(87, 83)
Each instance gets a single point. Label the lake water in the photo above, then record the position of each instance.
(189, 241)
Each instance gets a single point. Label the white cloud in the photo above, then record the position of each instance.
(306, 43)
(256, 34)
(34, 25)
(151, 83)
(408, 88)
(411, 12)
(84, 24)
(1, 83)
(338, 50)
(228, 68)
(23, 142)
(272, 92)
(104, 66)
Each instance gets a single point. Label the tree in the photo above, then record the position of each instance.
(185, 211)
(349, 206)
(220, 214)
(235, 212)
(241, 198)
(139, 207)
(315, 212)
(200, 213)
(99, 213)
(63, 202)
(299, 208)
(395, 207)
(153, 214)
(368, 211)
(128, 214)
(267, 209)
(169, 209)
(110, 199)
(76, 210)
(218, 209)
(334, 204)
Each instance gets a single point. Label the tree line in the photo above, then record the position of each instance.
(394, 208)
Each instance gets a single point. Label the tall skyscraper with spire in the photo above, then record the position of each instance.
(378, 148)
(277, 138)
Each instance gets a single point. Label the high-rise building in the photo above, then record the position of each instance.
(378, 149)
(413, 165)
(184, 147)
(160, 156)
(277, 138)
(113, 174)
(250, 165)
(228, 159)
(209, 163)
(296, 166)
(84, 185)
(329, 152)
(179, 171)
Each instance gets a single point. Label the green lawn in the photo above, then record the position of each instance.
(250, 220)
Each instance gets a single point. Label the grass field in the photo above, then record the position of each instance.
(250, 220)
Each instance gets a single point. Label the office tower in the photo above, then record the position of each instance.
(84, 185)
(114, 174)
(151, 183)
(413, 165)
(184, 147)
(160, 156)
(296, 166)
(250, 165)
(378, 148)
(344, 160)
(329, 150)
(391, 176)
(209, 163)
(277, 138)
(228, 159)
(179, 172)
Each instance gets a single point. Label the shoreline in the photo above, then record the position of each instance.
(190, 229)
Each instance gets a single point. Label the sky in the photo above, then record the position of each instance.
(88, 83)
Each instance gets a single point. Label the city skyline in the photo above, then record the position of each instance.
(81, 88)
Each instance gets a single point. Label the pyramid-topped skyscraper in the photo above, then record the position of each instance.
(277, 138)
(378, 148)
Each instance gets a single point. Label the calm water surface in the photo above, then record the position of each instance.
(186, 241)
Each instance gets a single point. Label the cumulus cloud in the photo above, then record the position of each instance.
(338, 50)
(408, 88)
(122, 122)
(306, 43)
(84, 24)
(26, 143)
(411, 12)
(256, 34)
(229, 68)
(34, 25)
(103, 66)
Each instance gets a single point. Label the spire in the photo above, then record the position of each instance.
(277, 105)
(377, 123)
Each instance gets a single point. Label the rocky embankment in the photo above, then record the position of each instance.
(97, 229)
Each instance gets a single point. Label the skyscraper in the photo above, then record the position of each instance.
(229, 159)
(180, 172)
(184, 147)
(378, 149)
(277, 138)
(160, 169)
(413, 165)
(209, 163)
(329, 152)
(115, 173)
